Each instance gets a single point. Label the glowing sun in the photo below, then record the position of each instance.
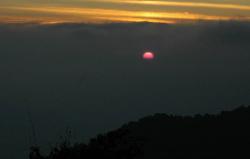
(148, 56)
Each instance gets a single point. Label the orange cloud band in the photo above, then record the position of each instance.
(182, 4)
(72, 14)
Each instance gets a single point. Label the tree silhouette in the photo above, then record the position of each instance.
(225, 135)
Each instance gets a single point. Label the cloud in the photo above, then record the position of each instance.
(184, 4)
(91, 76)
(97, 15)
(106, 11)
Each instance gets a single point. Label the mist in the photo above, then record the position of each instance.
(91, 78)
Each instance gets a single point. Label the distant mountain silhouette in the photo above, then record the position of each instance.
(161, 136)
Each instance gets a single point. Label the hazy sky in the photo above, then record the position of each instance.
(91, 77)
(98, 11)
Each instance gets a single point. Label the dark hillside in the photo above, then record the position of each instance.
(225, 135)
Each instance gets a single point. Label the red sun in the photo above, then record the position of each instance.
(148, 56)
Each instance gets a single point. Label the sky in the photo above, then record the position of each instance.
(92, 78)
(103, 11)
(78, 64)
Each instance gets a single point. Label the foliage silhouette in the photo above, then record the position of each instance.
(118, 144)
(225, 135)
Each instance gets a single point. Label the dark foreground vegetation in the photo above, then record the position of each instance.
(161, 136)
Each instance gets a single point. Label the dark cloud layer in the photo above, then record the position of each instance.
(92, 78)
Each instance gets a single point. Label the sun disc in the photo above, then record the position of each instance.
(148, 56)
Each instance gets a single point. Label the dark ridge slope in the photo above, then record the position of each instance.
(225, 135)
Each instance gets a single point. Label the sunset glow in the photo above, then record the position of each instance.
(184, 4)
(97, 11)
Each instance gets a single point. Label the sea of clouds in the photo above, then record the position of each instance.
(91, 77)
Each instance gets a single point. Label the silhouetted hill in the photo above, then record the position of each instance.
(225, 135)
